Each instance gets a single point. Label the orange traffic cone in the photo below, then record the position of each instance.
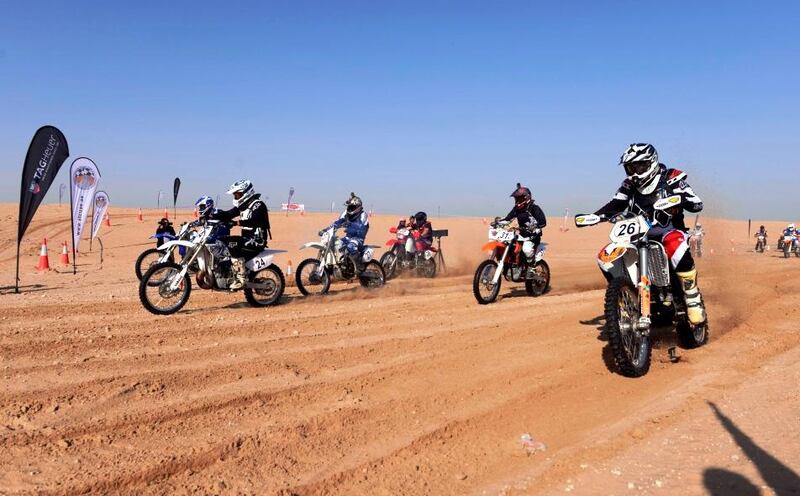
(289, 268)
(64, 254)
(166, 214)
(139, 216)
(44, 261)
(108, 220)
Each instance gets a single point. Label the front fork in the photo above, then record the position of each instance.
(644, 291)
(501, 265)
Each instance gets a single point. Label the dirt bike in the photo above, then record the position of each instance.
(314, 275)
(165, 287)
(642, 289)
(761, 243)
(153, 256)
(506, 260)
(789, 245)
(403, 256)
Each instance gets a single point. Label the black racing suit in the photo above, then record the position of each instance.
(531, 220)
(671, 182)
(254, 219)
(163, 229)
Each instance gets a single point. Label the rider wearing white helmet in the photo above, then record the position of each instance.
(648, 181)
(254, 220)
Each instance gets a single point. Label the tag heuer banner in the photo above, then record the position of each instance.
(98, 214)
(83, 177)
(47, 152)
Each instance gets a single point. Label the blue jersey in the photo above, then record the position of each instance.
(356, 229)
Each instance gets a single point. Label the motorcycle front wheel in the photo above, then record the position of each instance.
(147, 259)
(155, 291)
(308, 281)
(631, 348)
(273, 284)
(483, 289)
(389, 264)
(373, 275)
(541, 280)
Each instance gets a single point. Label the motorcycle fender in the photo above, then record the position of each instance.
(260, 262)
(491, 246)
(428, 254)
(610, 253)
(540, 252)
(367, 256)
(313, 244)
(392, 242)
(169, 245)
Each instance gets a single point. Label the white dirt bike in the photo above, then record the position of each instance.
(152, 256)
(642, 289)
(506, 260)
(166, 286)
(314, 275)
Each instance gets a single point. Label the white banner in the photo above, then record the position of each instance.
(98, 214)
(83, 178)
(293, 207)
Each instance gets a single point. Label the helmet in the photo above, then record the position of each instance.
(698, 225)
(164, 221)
(420, 218)
(790, 226)
(522, 196)
(242, 191)
(354, 206)
(762, 227)
(640, 161)
(204, 205)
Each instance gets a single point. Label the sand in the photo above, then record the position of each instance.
(412, 389)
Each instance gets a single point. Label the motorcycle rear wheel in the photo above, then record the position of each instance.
(273, 278)
(630, 348)
(153, 295)
(307, 280)
(427, 269)
(372, 276)
(540, 283)
(691, 336)
(482, 288)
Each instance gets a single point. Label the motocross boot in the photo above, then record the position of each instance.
(237, 266)
(691, 294)
(531, 264)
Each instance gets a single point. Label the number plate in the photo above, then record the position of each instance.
(501, 235)
(623, 231)
(259, 263)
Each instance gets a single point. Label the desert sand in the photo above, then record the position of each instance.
(410, 389)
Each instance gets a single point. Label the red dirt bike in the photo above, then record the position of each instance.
(403, 255)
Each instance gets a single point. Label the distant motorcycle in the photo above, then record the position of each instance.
(790, 245)
(761, 243)
(314, 275)
(506, 261)
(403, 256)
(165, 287)
(152, 256)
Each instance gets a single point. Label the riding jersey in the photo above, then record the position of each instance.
(354, 228)
(530, 218)
(253, 217)
(671, 182)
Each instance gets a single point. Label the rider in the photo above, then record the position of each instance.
(356, 224)
(164, 227)
(205, 210)
(531, 220)
(254, 220)
(421, 231)
(648, 181)
(790, 230)
(762, 231)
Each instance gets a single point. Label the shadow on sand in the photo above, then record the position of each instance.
(780, 478)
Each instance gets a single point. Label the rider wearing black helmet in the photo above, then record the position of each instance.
(421, 231)
(531, 220)
(164, 227)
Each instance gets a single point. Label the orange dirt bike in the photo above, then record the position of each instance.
(506, 261)
(642, 289)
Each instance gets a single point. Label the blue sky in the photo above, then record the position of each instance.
(413, 105)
